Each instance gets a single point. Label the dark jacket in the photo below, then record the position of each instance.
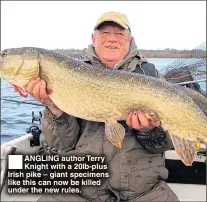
(137, 170)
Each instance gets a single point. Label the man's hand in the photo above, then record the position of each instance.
(37, 89)
(142, 121)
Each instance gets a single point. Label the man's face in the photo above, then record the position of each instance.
(111, 43)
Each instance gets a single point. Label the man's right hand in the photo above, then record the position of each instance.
(37, 89)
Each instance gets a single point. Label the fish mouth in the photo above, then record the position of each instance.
(1, 61)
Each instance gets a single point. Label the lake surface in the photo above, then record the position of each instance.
(15, 119)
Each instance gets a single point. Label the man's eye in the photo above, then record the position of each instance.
(105, 32)
(119, 33)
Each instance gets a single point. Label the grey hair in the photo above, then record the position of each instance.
(129, 33)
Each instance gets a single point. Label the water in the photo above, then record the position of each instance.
(16, 119)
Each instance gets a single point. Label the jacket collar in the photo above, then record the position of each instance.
(133, 51)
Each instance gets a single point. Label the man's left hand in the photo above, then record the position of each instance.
(142, 121)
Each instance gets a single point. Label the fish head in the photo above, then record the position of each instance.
(19, 65)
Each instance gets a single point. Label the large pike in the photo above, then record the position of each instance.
(199, 98)
(107, 96)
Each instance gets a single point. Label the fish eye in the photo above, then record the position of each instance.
(4, 52)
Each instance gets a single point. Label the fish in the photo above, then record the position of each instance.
(108, 96)
(199, 98)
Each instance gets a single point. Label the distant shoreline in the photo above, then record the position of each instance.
(167, 53)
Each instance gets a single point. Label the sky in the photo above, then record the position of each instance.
(69, 24)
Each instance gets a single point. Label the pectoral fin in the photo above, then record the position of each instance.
(115, 132)
(185, 149)
(21, 91)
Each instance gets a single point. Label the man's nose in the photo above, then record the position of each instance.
(112, 37)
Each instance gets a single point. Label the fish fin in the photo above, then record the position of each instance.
(21, 91)
(115, 132)
(185, 149)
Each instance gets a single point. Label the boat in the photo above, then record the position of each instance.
(188, 182)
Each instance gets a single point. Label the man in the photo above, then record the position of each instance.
(137, 170)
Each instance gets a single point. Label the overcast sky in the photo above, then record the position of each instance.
(69, 24)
